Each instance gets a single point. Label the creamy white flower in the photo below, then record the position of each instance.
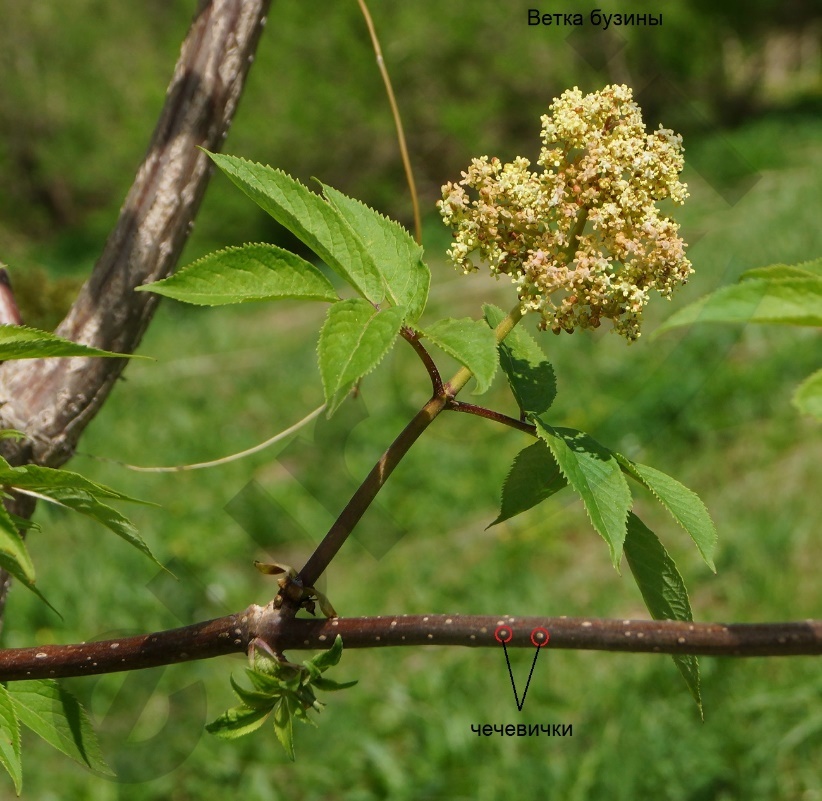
(582, 240)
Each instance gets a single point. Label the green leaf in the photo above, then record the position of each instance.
(54, 714)
(534, 476)
(15, 558)
(778, 271)
(353, 341)
(24, 524)
(86, 504)
(12, 433)
(305, 700)
(239, 721)
(13, 549)
(787, 301)
(329, 685)
(270, 674)
(41, 479)
(285, 690)
(594, 473)
(21, 342)
(78, 493)
(247, 273)
(530, 375)
(663, 590)
(397, 256)
(311, 219)
(808, 395)
(253, 698)
(685, 506)
(327, 659)
(284, 723)
(471, 342)
(10, 740)
(264, 682)
(808, 269)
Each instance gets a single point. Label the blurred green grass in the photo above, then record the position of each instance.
(709, 406)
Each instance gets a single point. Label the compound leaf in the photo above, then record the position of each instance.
(471, 342)
(22, 342)
(353, 341)
(663, 590)
(54, 714)
(594, 473)
(10, 750)
(534, 476)
(685, 506)
(530, 375)
(310, 218)
(397, 256)
(242, 274)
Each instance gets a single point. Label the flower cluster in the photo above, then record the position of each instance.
(582, 239)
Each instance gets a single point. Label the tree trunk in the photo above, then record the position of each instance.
(53, 400)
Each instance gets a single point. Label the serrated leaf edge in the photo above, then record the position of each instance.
(614, 560)
(627, 464)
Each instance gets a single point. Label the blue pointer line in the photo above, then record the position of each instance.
(511, 674)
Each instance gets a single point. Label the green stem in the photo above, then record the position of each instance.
(576, 232)
(367, 491)
(460, 379)
(395, 113)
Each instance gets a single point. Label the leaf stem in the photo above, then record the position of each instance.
(490, 414)
(579, 226)
(367, 491)
(413, 338)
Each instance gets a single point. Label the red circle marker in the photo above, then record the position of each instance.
(540, 637)
(504, 634)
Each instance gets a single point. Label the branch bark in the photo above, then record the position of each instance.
(53, 400)
(9, 313)
(235, 633)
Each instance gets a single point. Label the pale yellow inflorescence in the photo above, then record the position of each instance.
(583, 239)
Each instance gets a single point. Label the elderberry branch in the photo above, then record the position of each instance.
(367, 491)
(235, 633)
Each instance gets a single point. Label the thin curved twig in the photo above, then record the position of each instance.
(395, 113)
(234, 457)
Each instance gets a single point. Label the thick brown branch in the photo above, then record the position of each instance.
(234, 634)
(9, 313)
(591, 634)
(53, 400)
(218, 637)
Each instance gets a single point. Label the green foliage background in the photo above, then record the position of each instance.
(83, 83)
